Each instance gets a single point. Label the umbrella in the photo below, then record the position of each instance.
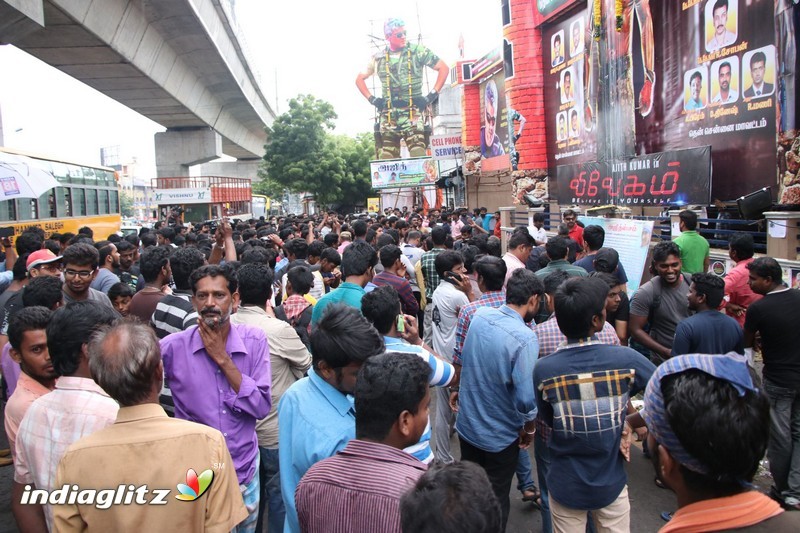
(23, 177)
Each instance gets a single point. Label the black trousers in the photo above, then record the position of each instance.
(499, 466)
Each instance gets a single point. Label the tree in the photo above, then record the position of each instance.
(126, 205)
(303, 156)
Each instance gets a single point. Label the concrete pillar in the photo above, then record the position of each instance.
(506, 225)
(177, 150)
(241, 168)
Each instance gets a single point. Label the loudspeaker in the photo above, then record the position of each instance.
(753, 205)
(532, 201)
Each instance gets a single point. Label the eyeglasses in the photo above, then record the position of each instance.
(83, 274)
(490, 119)
(400, 35)
(50, 267)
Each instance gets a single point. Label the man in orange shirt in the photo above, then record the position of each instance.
(738, 294)
(28, 340)
(575, 230)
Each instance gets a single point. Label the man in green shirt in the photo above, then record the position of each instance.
(358, 263)
(557, 249)
(694, 247)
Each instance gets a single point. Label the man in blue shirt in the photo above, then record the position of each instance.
(358, 264)
(315, 416)
(382, 308)
(582, 393)
(708, 330)
(496, 399)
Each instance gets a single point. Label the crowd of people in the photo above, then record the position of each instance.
(309, 373)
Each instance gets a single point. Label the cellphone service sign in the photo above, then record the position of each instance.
(446, 147)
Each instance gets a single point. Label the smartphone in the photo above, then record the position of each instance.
(401, 324)
(452, 277)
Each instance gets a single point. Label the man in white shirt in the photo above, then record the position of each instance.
(537, 230)
(722, 37)
(519, 250)
(725, 94)
(453, 293)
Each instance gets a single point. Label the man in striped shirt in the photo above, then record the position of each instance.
(76, 408)
(382, 308)
(394, 275)
(359, 489)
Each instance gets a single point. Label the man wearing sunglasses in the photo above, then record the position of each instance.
(80, 269)
(400, 68)
(490, 142)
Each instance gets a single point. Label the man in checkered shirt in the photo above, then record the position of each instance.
(428, 266)
(582, 394)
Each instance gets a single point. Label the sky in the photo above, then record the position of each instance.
(313, 47)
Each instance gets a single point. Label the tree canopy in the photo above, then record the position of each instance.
(302, 155)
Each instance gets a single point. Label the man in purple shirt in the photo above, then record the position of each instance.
(220, 376)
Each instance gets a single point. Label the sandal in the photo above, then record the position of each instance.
(534, 496)
(659, 483)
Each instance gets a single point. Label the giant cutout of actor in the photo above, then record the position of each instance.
(400, 68)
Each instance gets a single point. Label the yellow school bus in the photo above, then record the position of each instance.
(88, 195)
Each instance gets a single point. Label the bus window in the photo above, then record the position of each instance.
(114, 201)
(28, 208)
(102, 202)
(8, 210)
(47, 204)
(63, 202)
(91, 201)
(78, 202)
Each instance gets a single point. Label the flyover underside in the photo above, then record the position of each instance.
(153, 57)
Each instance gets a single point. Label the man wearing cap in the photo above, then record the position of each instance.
(39, 263)
(708, 428)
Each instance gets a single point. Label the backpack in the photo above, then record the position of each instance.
(300, 323)
(656, 303)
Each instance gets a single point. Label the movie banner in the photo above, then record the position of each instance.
(631, 239)
(677, 177)
(570, 138)
(725, 94)
(447, 147)
(413, 172)
(670, 75)
(494, 125)
(545, 10)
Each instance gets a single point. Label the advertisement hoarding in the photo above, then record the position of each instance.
(413, 172)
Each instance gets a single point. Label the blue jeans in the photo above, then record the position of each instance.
(542, 455)
(784, 439)
(271, 501)
(250, 496)
(524, 472)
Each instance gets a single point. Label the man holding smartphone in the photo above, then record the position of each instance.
(453, 293)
